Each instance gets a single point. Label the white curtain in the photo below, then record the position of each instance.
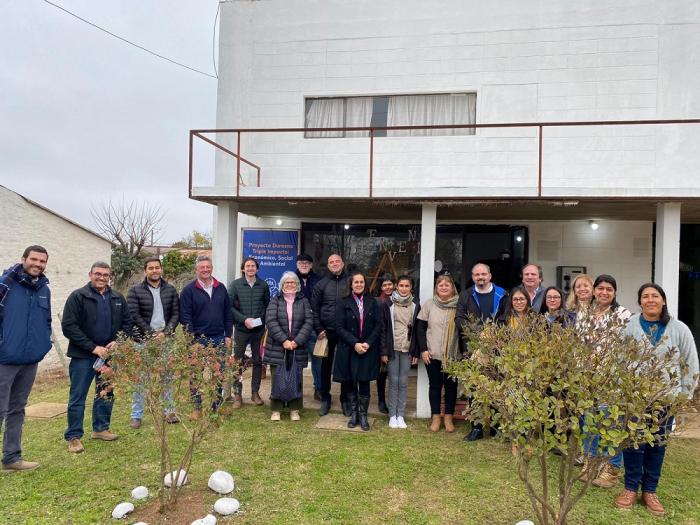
(431, 110)
(358, 113)
(325, 113)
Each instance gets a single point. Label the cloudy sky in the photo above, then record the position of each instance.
(85, 117)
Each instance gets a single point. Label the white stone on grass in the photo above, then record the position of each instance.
(221, 482)
(525, 522)
(226, 506)
(209, 519)
(122, 510)
(179, 475)
(139, 493)
(140, 523)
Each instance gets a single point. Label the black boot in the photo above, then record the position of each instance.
(352, 405)
(362, 406)
(345, 405)
(325, 406)
(382, 407)
(476, 433)
(381, 393)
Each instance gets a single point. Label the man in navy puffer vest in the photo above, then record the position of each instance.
(25, 338)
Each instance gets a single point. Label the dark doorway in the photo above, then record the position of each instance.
(689, 278)
(394, 249)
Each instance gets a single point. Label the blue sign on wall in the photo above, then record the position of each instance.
(276, 252)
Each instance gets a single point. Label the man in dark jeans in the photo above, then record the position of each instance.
(479, 303)
(325, 296)
(205, 312)
(155, 310)
(25, 325)
(249, 296)
(92, 318)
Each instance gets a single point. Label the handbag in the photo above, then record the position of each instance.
(321, 347)
(286, 385)
(263, 342)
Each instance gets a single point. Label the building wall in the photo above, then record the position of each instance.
(543, 61)
(71, 252)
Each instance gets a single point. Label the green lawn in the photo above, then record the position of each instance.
(291, 473)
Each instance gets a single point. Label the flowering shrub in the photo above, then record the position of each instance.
(542, 386)
(176, 375)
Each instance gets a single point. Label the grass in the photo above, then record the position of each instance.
(289, 473)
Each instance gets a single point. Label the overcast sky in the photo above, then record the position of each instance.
(85, 117)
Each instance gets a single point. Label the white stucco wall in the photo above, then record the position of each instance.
(527, 61)
(71, 252)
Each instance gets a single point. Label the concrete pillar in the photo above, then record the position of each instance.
(427, 269)
(667, 261)
(225, 240)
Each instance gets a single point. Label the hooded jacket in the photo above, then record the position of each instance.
(25, 317)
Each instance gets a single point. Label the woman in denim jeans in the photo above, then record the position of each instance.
(655, 327)
(398, 347)
(604, 315)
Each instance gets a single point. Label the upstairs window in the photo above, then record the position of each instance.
(392, 110)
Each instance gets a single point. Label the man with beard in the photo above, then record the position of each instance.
(309, 279)
(155, 311)
(25, 325)
(480, 303)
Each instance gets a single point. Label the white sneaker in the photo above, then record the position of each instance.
(400, 423)
(392, 422)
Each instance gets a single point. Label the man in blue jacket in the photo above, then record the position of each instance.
(205, 312)
(481, 303)
(25, 338)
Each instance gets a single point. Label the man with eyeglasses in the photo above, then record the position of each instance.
(92, 318)
(309, 279)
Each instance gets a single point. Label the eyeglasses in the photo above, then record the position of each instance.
(99, 275)
(553, 298)
(519, 300)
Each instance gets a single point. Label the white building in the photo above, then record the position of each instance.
(72, 249)
(505, 194)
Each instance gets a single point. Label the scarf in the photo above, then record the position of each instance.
(401, 300)
(451, 348)
(289, 299)
(17, 273)
(359, 301)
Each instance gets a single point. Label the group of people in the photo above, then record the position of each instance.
(367, 338)
(590, 301)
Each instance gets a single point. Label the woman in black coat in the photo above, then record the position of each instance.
(286, 338)
(359, 326)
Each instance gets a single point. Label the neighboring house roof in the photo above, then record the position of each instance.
(34, 203)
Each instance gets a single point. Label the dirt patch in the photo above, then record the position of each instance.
(192, 504)
(48, 379)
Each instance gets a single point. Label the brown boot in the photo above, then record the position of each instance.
(626, 500)
(654, 506)
(135, 423)
(435, 423)
(75, 446)
(237, 401)
(255, 398)
(587, 472)
(608, 477)
(449, 423)
(21, 464)
(104, 435)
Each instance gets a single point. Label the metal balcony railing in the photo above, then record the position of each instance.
(201, 134)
